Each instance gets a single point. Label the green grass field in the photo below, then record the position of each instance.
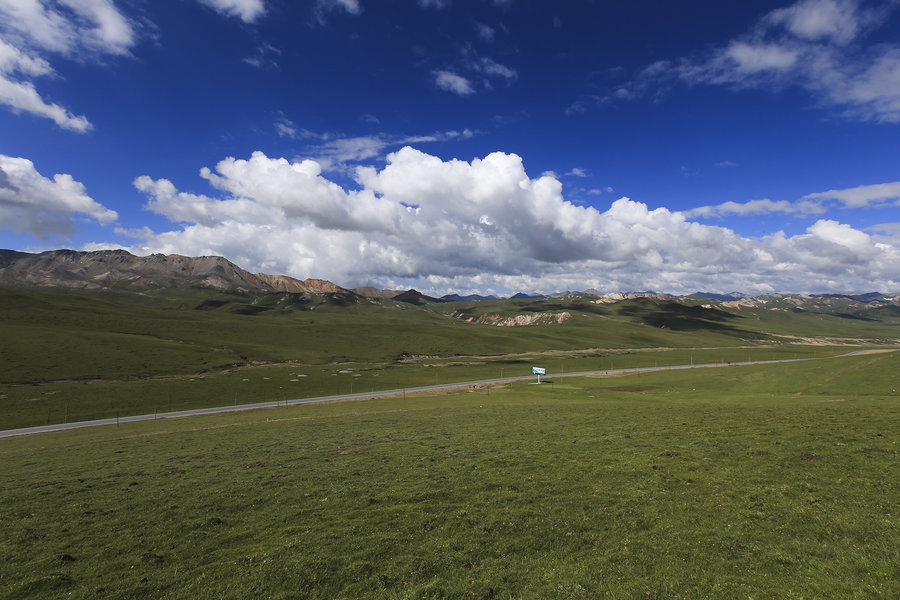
(72, 356)
(777, 481)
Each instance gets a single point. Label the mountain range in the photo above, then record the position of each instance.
(101, 269)
(105, 268)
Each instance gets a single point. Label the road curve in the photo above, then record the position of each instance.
(397, 392)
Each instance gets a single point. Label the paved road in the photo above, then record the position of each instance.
(397, 392)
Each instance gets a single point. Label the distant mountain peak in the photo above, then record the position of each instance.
(414, 297)
(469, 298)
(102, 268)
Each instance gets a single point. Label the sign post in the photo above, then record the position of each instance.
(538, 371)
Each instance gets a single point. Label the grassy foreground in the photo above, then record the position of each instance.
(776, 481)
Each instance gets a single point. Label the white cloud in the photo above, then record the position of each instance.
(82, 30)
(483, 69)
(32, 32)
(889, 229)
(13, 60)
(601, 191)
(863, 195)
(577, 172)
(465, 134)
(31, 203)
(810, 204)
(264, 58)
(485, 32)
(756, 207)
(815, 45)
(752, 58)
(818, 19)
(333, 151)
(349, 6)
(68, 27)
(19, 94)
(451, 82)
(434, 3)
(841, 234)
(495, 69)
(446, 225)
(101, 26)
(246, 10)
(871, 91)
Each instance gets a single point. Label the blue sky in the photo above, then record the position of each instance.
(463, 146)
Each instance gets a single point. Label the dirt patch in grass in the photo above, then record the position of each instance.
(811, 457)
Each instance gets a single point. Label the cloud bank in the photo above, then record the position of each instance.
(31, 203)
(486, 225)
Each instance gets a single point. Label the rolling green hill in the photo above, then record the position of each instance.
(138, 352)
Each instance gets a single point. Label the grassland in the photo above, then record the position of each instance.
(776, 481)
(72, 356)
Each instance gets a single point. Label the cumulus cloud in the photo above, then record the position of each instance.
(447, 225)
(246, 10)
(31, 203)
(816, 45)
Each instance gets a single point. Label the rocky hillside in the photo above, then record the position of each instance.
(283, 283)
(105, 268)
(539, 318)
